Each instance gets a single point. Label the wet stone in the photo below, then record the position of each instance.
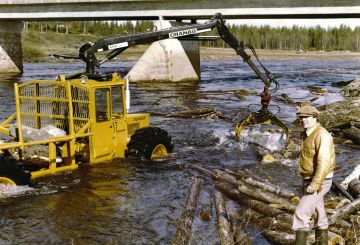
(352, 90)
(339, 113)
(354, 187)
(268, 158)
(317, 90)
(341, 84)
(353, 133)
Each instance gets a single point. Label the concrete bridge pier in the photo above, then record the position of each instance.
(168, 60)
(10, 46)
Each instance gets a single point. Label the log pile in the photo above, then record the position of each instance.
(269, 209)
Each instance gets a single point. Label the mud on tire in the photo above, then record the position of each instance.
(144, 141)
(11, 169)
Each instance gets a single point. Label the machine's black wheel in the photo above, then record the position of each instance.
(149, 143)
(12, 172)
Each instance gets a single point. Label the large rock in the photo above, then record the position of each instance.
(352, 90)
(352, 133)
(340, 113)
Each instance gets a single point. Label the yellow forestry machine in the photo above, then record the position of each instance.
(84, 117)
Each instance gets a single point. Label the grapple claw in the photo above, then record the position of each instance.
(261, 117)
(247, 121)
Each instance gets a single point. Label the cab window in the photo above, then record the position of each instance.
(117, 102)
(102, 96)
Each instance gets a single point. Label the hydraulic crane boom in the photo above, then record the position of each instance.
(117, 44)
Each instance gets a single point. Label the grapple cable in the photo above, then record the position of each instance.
(267, 72)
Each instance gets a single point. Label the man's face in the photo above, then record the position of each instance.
(307, 122)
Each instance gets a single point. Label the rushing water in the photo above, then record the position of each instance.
(133, 202)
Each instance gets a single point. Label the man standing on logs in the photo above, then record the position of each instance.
(316, 166)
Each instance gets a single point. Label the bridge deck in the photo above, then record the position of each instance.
(185, 9)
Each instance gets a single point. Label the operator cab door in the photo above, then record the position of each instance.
(119, 121)
(103, 127)
(109, 139)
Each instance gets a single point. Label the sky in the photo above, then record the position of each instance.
(325, 23)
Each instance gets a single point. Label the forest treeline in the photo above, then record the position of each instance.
(264, 37)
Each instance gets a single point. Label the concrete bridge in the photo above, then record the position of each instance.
(187, 9)
(13, 12)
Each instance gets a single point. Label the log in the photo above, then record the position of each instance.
(202, 170)
(335, 239)
(233, 91)
(154, 113)
(217, 175)
(259, 206)
(343, 224)
(184, 226)
(247, 178)
(264, 222)
(267, 224)
(196, 113)
(355, 174)
(354, 219)
(288, 100)
(240, 174)
(332, 202)
(206, 208)
(354, 187)
(342, 190)
(267, 197)
(348, 234)
(342, 203)
(238, 225)
(223, 224)
(345, 211)
(256, 192)
(281, 238)
(317, 90)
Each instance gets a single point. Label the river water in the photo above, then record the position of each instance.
(134, 202)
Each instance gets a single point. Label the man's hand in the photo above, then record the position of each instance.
(310, 189)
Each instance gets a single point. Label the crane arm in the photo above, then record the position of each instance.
(117, 44)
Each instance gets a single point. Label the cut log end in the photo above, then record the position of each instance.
(335, 239)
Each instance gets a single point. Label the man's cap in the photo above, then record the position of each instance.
(307, 111)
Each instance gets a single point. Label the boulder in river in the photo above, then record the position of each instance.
(317, 90)
(352, 90)
(339, 113)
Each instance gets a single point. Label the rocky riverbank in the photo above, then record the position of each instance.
(343, 117)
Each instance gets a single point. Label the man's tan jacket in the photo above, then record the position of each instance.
(317, 157)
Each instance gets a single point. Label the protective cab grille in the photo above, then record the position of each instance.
(44, 103)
